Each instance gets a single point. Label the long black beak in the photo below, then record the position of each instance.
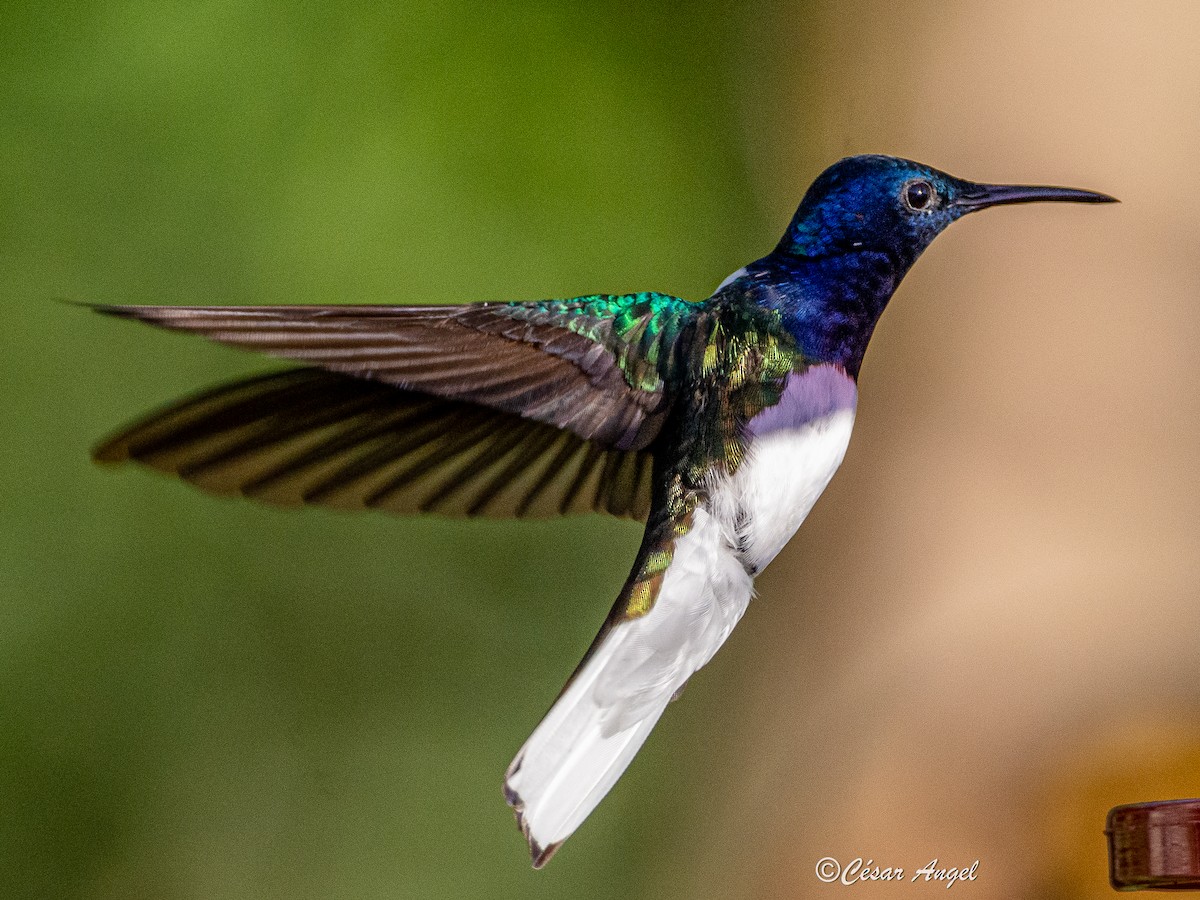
(981, 196)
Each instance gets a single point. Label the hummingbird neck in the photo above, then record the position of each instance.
(830, 304)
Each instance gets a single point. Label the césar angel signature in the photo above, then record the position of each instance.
(830, 871)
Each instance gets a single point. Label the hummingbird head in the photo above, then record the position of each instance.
(896, 207)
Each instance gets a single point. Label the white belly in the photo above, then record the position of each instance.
(785, 470)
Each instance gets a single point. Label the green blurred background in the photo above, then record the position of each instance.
(985, 636)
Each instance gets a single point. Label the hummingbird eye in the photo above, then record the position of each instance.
(917, 195)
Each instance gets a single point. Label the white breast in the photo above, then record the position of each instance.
(796, 448)
(776, 486)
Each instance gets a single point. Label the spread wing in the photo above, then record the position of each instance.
(307, 436)
(596, 366)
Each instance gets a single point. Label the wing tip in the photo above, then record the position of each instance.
(157, 314)
(110, 309)
(110, 452)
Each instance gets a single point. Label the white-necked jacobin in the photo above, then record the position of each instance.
(718, 423)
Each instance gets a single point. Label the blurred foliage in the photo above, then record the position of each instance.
(203, 698)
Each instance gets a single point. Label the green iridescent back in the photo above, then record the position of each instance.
(640, 330)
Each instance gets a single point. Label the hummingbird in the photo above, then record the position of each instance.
(717, 423)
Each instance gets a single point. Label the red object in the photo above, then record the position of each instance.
(1154, 846)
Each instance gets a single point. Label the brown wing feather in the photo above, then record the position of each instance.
(480, 353)
(307, 436)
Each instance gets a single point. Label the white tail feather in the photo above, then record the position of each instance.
(606, 713)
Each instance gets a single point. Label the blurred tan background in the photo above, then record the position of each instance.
(985, 636)
(999, 631)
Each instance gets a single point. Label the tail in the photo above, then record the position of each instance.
(615, 698)
(575, 755)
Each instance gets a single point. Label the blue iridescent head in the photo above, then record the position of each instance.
(859, 228)
(896, 207)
